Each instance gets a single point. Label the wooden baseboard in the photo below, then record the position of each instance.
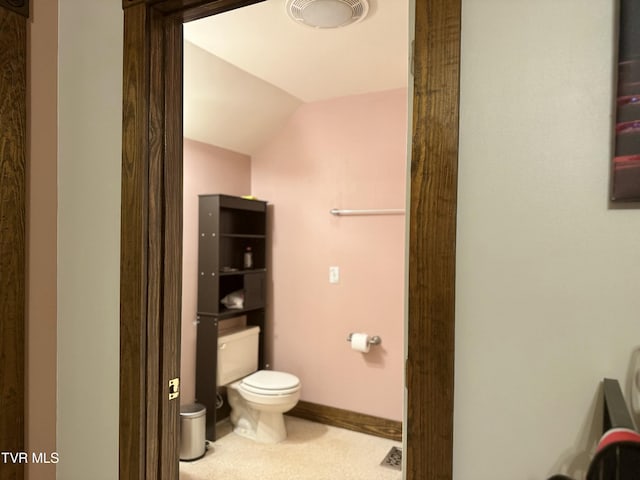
(359, 422)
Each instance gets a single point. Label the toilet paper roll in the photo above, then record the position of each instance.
(360, 342)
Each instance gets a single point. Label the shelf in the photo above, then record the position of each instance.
(242, 204)
(228, 228)
(230, 313)
(241, 235)
(243, 272)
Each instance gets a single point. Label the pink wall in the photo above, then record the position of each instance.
(342, 153)
(207, 169)
(42, 42)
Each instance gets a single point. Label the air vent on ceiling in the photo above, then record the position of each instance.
(327, 13)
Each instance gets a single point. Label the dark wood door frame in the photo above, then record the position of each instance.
(13, 155)
(151, 235)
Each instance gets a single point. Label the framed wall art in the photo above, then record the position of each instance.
(625, 177)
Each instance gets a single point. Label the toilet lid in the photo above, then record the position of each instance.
(270, 382)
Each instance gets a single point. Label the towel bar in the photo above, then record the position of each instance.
(384, 211)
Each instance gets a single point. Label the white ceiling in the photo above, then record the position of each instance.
(247, 70)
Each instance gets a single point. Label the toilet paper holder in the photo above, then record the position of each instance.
(375, 340)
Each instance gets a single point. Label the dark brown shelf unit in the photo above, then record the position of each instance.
(232, 313)
(227, 225)
(242, 272)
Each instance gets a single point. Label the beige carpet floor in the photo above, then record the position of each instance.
(312, 451)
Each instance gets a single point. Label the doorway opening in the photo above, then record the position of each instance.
(293, 115)
(151, 235)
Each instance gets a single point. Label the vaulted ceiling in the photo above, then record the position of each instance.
(248, 70)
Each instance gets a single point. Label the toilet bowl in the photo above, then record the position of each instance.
(257, 398)
(258, 403)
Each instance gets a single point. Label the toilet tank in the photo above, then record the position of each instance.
(237, 353)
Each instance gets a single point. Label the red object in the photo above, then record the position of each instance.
(617, 435)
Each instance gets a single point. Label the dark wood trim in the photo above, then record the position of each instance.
(133, 249)
(21, 7)
(132, 3)
(432, 249)
(147, 217)
(155, 246)
(358, 422)
(172, 257)
(13, 120)
(151, 244)
(187, 10)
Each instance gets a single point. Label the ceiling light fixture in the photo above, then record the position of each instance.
(327, 13)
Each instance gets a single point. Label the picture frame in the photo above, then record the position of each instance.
(625, 168)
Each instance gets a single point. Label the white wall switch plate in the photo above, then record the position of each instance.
(334, 274)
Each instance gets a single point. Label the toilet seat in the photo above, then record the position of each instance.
(258, 403)
(270, 382)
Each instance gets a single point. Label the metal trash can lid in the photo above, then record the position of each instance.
(192, 410)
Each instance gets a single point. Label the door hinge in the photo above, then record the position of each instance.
(412, 56)
(174, 388)
(406, 372)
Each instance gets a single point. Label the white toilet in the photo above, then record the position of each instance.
(257, 399)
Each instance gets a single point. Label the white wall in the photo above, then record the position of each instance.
(547, 299)
(547, 275)
(89, 156)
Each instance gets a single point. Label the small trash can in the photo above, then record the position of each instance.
(192, 432)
